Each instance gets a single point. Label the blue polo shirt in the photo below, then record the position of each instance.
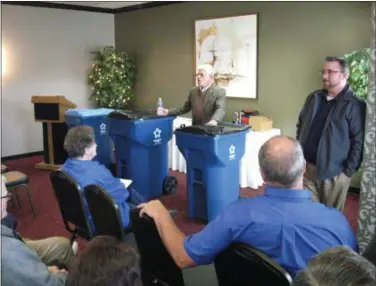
(285, 224)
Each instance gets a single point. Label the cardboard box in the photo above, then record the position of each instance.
(260, 123)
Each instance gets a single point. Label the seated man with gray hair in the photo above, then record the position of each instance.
(206, 101)
(284, 223)
(338, 266)
(81, 147)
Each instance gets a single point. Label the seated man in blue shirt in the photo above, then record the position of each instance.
(284, 223)
(80, 145)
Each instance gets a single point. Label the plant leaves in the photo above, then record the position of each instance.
(111, 72)
(359, 62)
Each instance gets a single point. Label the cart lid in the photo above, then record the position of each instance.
(207, 130)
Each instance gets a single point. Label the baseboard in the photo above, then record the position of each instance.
(20, 156)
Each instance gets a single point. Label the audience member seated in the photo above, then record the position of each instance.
(284, 223)
(106, 261)
(81, 148)
(32, 263)
(338, 266)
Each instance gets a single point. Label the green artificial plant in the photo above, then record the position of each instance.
(112, 78)
(359, 62)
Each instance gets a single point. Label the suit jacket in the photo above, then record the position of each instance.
(22, 266)
(214, 105)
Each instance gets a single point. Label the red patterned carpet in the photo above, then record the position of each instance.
(48, 221)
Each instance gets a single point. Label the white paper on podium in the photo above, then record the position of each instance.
(126, 182)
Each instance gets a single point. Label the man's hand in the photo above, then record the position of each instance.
(170, 234)
(212, 123)
(54, 270)
(155, 209)
(162, 111)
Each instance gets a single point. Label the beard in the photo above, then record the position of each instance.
(326, 85)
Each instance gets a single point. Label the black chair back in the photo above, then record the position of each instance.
(157, 265)
(72, 205)
(104, 212)
(243, 265)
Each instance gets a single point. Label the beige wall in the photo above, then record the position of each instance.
(294, 38)
(47, 52)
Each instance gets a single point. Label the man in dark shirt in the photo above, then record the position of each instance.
(284, 223)
(330, 129)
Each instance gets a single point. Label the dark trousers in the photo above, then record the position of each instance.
(135, 198)
(10, 221)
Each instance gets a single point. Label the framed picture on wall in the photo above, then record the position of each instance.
(230, 45)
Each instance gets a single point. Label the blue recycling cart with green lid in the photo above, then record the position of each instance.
(212, 154)
(141, 150)
(97, 119)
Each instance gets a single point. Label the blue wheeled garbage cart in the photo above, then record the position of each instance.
(96, 118)
(141, 150)
(212, 154)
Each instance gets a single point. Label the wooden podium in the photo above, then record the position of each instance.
(50, 110)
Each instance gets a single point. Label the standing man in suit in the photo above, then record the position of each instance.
(206, 101)
(331, 129)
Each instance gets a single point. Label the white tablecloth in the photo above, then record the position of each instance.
(249, 165)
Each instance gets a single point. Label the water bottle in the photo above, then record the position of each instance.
(159, 105)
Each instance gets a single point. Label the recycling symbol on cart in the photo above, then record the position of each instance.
(102, 128)
(157, 136)
(231, 152)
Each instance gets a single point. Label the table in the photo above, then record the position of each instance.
(249, 175)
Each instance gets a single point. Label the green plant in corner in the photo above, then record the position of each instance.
(359, 62)
(112, 78)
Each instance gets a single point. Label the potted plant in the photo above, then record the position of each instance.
(359, 63)
(112, 78)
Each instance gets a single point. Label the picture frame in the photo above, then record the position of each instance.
(230, 45)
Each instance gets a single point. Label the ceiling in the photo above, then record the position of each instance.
(103, 4)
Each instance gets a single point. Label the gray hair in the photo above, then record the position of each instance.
(209, 69)
(338, 266)
(281, 161)
(78, 138)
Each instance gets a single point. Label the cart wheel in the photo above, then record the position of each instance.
(170, 185)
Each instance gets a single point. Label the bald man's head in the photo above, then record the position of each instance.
(282, 162)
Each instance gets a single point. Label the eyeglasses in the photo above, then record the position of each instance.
(8, 195)
(329, 72)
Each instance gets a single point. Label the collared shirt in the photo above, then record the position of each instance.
(285, 224)
(203, 89)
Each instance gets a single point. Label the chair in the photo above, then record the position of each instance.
(105, 213)
(157, 265)
(15, 181)
(72, 205)
(243, 265)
